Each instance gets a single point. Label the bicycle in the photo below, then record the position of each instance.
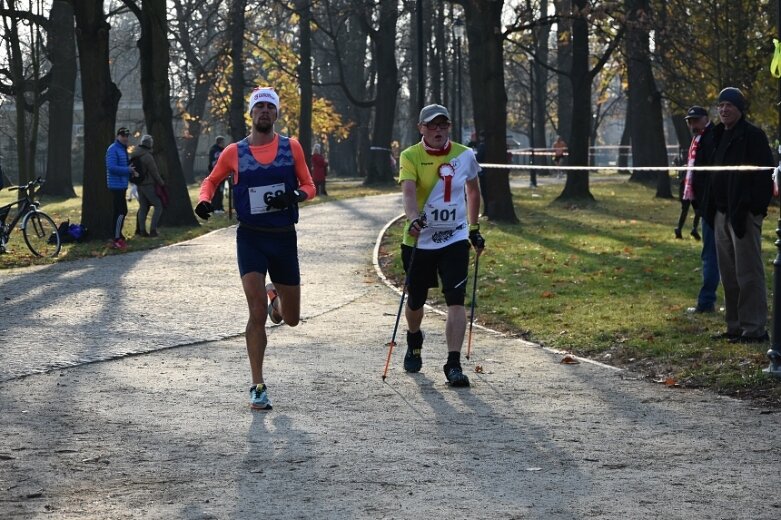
(38, 229)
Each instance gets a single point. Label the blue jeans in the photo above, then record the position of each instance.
(710, 269)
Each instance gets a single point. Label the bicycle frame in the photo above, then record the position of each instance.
(35, 224)
(24, 206)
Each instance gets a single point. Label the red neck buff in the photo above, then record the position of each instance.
(436, 151)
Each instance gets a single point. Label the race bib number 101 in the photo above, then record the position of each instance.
(444, 216)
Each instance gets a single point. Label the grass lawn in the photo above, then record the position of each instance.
(70, 209)
(609, 281)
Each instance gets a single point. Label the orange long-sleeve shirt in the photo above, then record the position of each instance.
(228, 163)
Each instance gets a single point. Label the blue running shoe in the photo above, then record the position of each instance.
(455, 376)
(258, 397)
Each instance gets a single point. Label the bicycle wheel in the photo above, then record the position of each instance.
(40, 234)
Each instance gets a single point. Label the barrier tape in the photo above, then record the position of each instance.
(626, 168)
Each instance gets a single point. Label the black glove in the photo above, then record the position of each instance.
(286, 199)
(477, 240)
(419, 223)
(204, 209)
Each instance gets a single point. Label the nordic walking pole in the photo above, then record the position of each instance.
(472, 311)
(420, 223)
(398, 314)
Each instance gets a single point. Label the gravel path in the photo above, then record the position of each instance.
(123, 395)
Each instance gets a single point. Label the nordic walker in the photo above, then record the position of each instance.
(441, 223)
(270, 179)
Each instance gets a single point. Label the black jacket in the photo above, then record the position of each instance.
(214, 153)
(737, 193)
(701, 179)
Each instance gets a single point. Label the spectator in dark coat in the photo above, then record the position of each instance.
(214, 154)
(736, 206)
(147, 193)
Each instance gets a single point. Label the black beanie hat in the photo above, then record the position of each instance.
(734, 96)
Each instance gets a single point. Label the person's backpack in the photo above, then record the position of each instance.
(69, 233)
(139, 166)
(77, 232)
(62, 231)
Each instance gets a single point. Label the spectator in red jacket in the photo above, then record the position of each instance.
(319, 170)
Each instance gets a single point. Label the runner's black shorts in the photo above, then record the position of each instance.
(275, 253)
(450, 263)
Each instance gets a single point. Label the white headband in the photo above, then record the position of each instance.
(263, 95)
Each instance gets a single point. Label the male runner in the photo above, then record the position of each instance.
(270, 179)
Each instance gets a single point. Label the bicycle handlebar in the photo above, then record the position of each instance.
(37, 182)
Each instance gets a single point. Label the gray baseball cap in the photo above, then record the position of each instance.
(429, 112)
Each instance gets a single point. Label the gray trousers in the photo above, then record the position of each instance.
(742, 275)
(146, 198)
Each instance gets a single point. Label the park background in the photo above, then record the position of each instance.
(353, 75)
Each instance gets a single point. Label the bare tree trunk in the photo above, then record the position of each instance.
(577, 184)
(204, 63)
(155, 87)
(409, 131)
(350, 156)
(645, 102)
(16, 68)
(541, 84)
(433, 18)
(62, 55)
(564, 63)
(486, 68)
(305, 77)
(100, 110)
(195, 127)
(238, 127)
(34, 64)
(682, 133)
(380, 171)
(626, 140)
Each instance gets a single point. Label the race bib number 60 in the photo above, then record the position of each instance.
(259, 197)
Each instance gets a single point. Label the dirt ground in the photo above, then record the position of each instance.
(166, 432)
